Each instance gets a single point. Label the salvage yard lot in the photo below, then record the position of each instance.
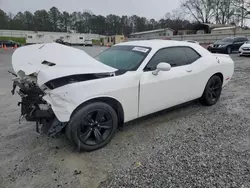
(191, 146)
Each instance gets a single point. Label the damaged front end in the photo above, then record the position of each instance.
(33, 107)
(38, 73)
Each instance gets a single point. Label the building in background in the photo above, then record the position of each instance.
(112, 40)
(35, 37)
(167, 32)
(71, 38)
(226, 30)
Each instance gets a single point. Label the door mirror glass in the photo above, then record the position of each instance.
(162, 67)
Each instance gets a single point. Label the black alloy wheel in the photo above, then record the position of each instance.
(212, 91)
(92, 126)
(95, 127)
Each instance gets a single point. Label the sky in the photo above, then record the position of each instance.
(147, 8)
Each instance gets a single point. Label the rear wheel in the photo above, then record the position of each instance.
(93, 126)
(212, 91)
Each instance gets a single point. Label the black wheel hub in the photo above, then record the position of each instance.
(214, 90)
(95, 127)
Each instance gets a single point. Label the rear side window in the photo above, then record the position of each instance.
(175, 56)
(240, 39)
(244, 39)
(192, 55)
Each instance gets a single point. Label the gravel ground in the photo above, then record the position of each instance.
(191, 146)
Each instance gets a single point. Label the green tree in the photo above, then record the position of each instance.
(42, 21)
(55, 17)
(28, 21)
(4, 22)
(65, 21)
(18, 22)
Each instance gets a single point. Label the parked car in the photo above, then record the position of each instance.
(245, 49)
(192, 41)
(60, 41)
(88, 98)
(9, 43)
(227, 45)
(88, 43)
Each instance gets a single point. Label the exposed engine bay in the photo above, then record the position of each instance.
(33, 107)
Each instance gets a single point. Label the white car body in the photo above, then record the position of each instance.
(245, 49)
(138, 92)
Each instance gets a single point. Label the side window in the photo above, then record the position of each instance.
(192, 55)
(238, 40)
(175, 56)
(244, 39)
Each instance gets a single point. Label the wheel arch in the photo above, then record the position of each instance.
(220, 75)
(216, 74)
(114, 103)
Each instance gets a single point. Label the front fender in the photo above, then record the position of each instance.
(124, 89)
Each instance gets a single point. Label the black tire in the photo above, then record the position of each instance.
(212, 91)
(96, 123)
(229, 50)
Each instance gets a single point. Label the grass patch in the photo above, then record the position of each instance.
(96, 42)
(20, 40)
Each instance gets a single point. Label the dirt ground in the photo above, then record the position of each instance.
(28, 160)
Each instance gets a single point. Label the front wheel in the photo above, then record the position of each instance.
(229, 50)
(93, 126)
(212, 91)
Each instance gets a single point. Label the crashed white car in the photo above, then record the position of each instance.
(245, 49)
(64, 89)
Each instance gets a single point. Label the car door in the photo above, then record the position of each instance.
(170, 88)
(237, 43)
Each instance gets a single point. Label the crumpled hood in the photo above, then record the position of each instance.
(53, 60)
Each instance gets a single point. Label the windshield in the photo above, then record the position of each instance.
(227, 40)
(124, 57)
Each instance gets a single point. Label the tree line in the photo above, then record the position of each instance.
(218, 11)
(86, 22)
(199, 11)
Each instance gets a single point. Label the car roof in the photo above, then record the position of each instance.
(157, 43)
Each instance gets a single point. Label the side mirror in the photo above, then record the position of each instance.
(162, 67)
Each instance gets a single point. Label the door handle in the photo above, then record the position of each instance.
(189, 70)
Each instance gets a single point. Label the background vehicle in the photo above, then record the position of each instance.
(91, 97)
(245, 49)
(88, 43)
(9, 43)
(228, 45)
(60, 41)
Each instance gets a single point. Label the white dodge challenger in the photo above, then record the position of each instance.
(63, 89)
